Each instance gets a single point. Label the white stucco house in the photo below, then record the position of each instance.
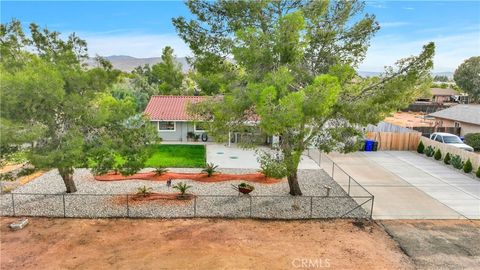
(170, 117)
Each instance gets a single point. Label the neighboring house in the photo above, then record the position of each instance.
(441, 95)
(170, 117)
(465, 117)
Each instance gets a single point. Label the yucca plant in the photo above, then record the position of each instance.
(182, 187)
(161, 171)
(429, 151)
(438, 155)
(144, 191)
(210, 169)
(457, 162)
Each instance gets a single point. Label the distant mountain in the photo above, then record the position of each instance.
(374, 73)
(128, 63)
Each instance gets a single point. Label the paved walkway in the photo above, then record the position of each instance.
(410, 186)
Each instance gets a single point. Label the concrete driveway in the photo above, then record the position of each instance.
(410, 186)
(235, 157)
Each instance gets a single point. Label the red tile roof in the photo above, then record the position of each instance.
(170, 107)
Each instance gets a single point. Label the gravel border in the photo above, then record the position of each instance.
(268, 201)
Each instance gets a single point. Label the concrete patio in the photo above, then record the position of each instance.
(235, 157)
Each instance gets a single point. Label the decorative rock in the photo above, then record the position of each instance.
(19, 224)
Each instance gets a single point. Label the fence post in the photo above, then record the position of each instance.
(250, 197)
(64, 212)
(194, 206)
(13, 205)
(349, 178)
(333, 168)
(128, 208)
(371, 207)
(311, 206)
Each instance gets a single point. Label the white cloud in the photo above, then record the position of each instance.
(450, 51)
(408, 8)
(134, 44)
(393, 24)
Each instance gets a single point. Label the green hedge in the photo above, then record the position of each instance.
(473, 139)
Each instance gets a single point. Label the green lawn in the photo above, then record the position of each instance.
(176, 156)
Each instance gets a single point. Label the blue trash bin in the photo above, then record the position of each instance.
(369, 145)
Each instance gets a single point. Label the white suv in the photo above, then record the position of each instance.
(450, 139)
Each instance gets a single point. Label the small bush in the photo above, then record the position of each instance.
(210, 169)
(271, 166)
(438, 155)
(473, 139)
(182, 188)
(429, 151)
(160, 171)
(144, 191)
(446, 160)
(420, 147)
(478, 172)
(26, 171)
(457, 162)
(467, 167)
(7, 177)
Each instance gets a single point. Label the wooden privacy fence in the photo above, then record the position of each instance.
(406, 141)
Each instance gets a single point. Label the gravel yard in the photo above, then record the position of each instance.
(100, 199)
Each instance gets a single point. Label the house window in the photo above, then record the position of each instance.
(457, 124)
(166, 126)
(200, 126)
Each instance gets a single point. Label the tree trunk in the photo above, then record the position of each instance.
(67, 176)
(293, 184)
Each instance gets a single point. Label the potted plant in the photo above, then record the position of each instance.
(245, 188)
(183, 191)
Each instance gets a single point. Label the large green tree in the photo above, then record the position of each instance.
(467, 77)
(299, 82)
(168, 73)
(48, 99)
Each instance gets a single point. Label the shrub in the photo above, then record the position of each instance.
(7, 177)
(103, 162)
(438, 155)
(210, 169)
(160, 171)
(429, 151)
(473, 139)
(182, 188)
(467, 167)
(446, 160)
(271, 166)
(26, 171)
(420, 147)
(478, 172)
(144, 191)
(457, 162)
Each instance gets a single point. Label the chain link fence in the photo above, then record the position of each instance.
(354, 202)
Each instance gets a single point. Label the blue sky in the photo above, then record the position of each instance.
(142, 29)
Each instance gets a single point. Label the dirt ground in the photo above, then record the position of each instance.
(198, 244)
(410, 119)
(439, 244)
